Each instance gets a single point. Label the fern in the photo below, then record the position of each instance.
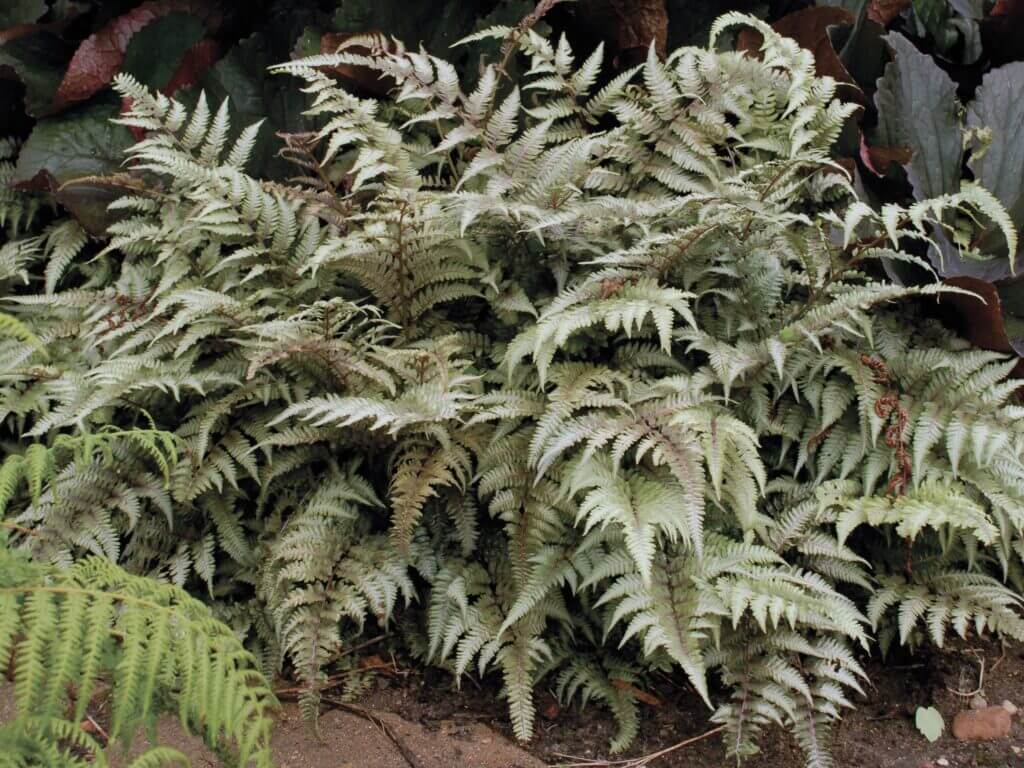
(320, 570)
(613, 687)
(96, 625)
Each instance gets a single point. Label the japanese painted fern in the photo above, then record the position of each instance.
(592, 376)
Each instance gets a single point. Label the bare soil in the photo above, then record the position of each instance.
(417, 719)
(879, 733)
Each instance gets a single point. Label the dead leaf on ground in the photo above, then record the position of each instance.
(647, 698)
(549, 708)
(378, 664)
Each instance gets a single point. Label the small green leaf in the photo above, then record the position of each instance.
(929, 722)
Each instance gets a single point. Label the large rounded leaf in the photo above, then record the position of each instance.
(997, 115)
(79, 143)
(917, 108)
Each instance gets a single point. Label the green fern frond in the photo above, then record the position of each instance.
(141, 638)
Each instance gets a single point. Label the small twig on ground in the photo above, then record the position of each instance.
(577, 760)
(334, 680)
(369, 716)
(365, 644)
(331, 682)
(98, 727)
(981, 682)
(634, 762)
(1002, 656)
(19, 528)
(481, 716)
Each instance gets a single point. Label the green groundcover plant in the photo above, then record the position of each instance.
(576, 378)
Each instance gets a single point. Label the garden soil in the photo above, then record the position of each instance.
(416, 719)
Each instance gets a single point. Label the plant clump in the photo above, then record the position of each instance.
(582, 377)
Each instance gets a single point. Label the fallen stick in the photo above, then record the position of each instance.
(365, 644)
(331, 682)
(369, 716)
(636, 762)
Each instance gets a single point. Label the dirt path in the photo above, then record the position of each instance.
(346, 741)
(349, 741)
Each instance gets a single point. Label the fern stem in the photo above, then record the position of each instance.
(19, 528)
(117, 596)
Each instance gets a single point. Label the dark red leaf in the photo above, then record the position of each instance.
(1001, 32)
(1008, 8)
(809, 27)
(638, 22)
(100, 56)
(846, 163)
(981, 316)
(36, 56)
(626, 26)
(66, 154)
(87, 202)
(749, 41)
(18, 30)
(878, 160)
(137, 133)
(199, 58)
